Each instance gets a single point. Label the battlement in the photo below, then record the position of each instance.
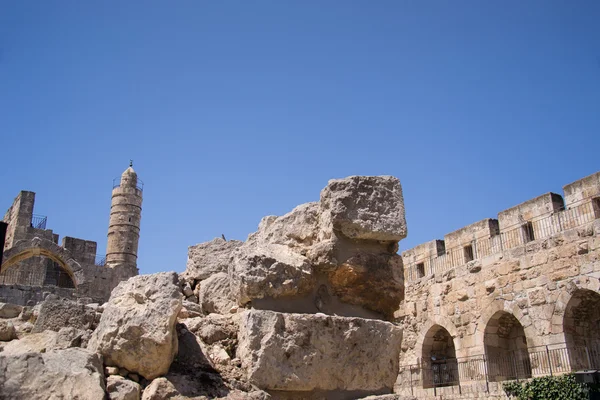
(532, 220)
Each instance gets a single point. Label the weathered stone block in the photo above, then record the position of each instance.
(301, 352)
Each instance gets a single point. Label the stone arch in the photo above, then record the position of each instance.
(506, 347)
(25, 249)
(581, 329)
(566, 293)
(438, 353)
(512, 308)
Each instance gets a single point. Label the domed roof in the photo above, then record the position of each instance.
(128, 172)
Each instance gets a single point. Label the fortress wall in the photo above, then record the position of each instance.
(530, 278)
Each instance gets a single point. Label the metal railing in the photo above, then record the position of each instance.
(518, 235)
(502, 366)
(139, 184)
(38, 221)
(100, 261)
(49, 277)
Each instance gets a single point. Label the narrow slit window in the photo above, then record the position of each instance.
(528, 234)
(420, 270)
(469, 253)
(596, 207)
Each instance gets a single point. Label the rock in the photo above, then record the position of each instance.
(8, 310)
(190, 310)
(58, 374)
(183, 386)
(215, 295)
(372, 281)
(71, 337)
(302, 352)
(159, 389)
(206, 259)
(111, 371)
(7, 331)
(296, 230)
(213, 328)
(137, 328)
(365, 208)
(187, 290)
(218, 355)
(119, 388)
(192, 299)
(55, 314)
(33, 343)
(191, 354)
(27, 314)
(239, 395)
(272, 271)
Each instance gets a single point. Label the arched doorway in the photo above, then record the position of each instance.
(440, 367)
(506, 348)
(581, 326)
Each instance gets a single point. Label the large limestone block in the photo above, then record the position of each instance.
(371, 281)
(297, 229)
(33, 343)
(215, 295)
(56, 314)
(7, 331)
(209, 258)
(364, 207)
(58, 374)
(8, 310)
(303, 352)
(137, 328)
(272, 271)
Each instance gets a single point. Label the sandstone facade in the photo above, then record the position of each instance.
(498, 299)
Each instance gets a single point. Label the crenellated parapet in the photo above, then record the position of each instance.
(532, 220)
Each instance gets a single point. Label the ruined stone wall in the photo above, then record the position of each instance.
(500, 288)
(42, 266)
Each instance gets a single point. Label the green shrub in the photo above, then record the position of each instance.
(564, 387)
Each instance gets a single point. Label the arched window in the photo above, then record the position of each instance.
(581, 325)
(439, 358)
(506, 348)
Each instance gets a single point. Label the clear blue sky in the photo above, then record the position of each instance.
(236, 110)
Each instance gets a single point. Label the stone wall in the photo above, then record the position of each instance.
(34, 265)
(524, 288)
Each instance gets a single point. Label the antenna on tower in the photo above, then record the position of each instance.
(131, 163)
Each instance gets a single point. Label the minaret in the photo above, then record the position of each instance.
(124, 226)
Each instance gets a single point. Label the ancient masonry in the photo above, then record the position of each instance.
(34, 265)
(503, 299)
(317, 304)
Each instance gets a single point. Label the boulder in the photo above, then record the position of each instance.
(58, 374)
(209, 258)
(364, 208)
(56, 314)
(271, 270)
(303, 352)
(373, 281)
(215, 294)
(119, 388)
(137, 328)
(160, 389)
(7, 331)
(33, 343)
(213, 328)
(190, 310)
(8, 310)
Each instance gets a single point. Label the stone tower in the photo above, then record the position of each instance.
(124, 226)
